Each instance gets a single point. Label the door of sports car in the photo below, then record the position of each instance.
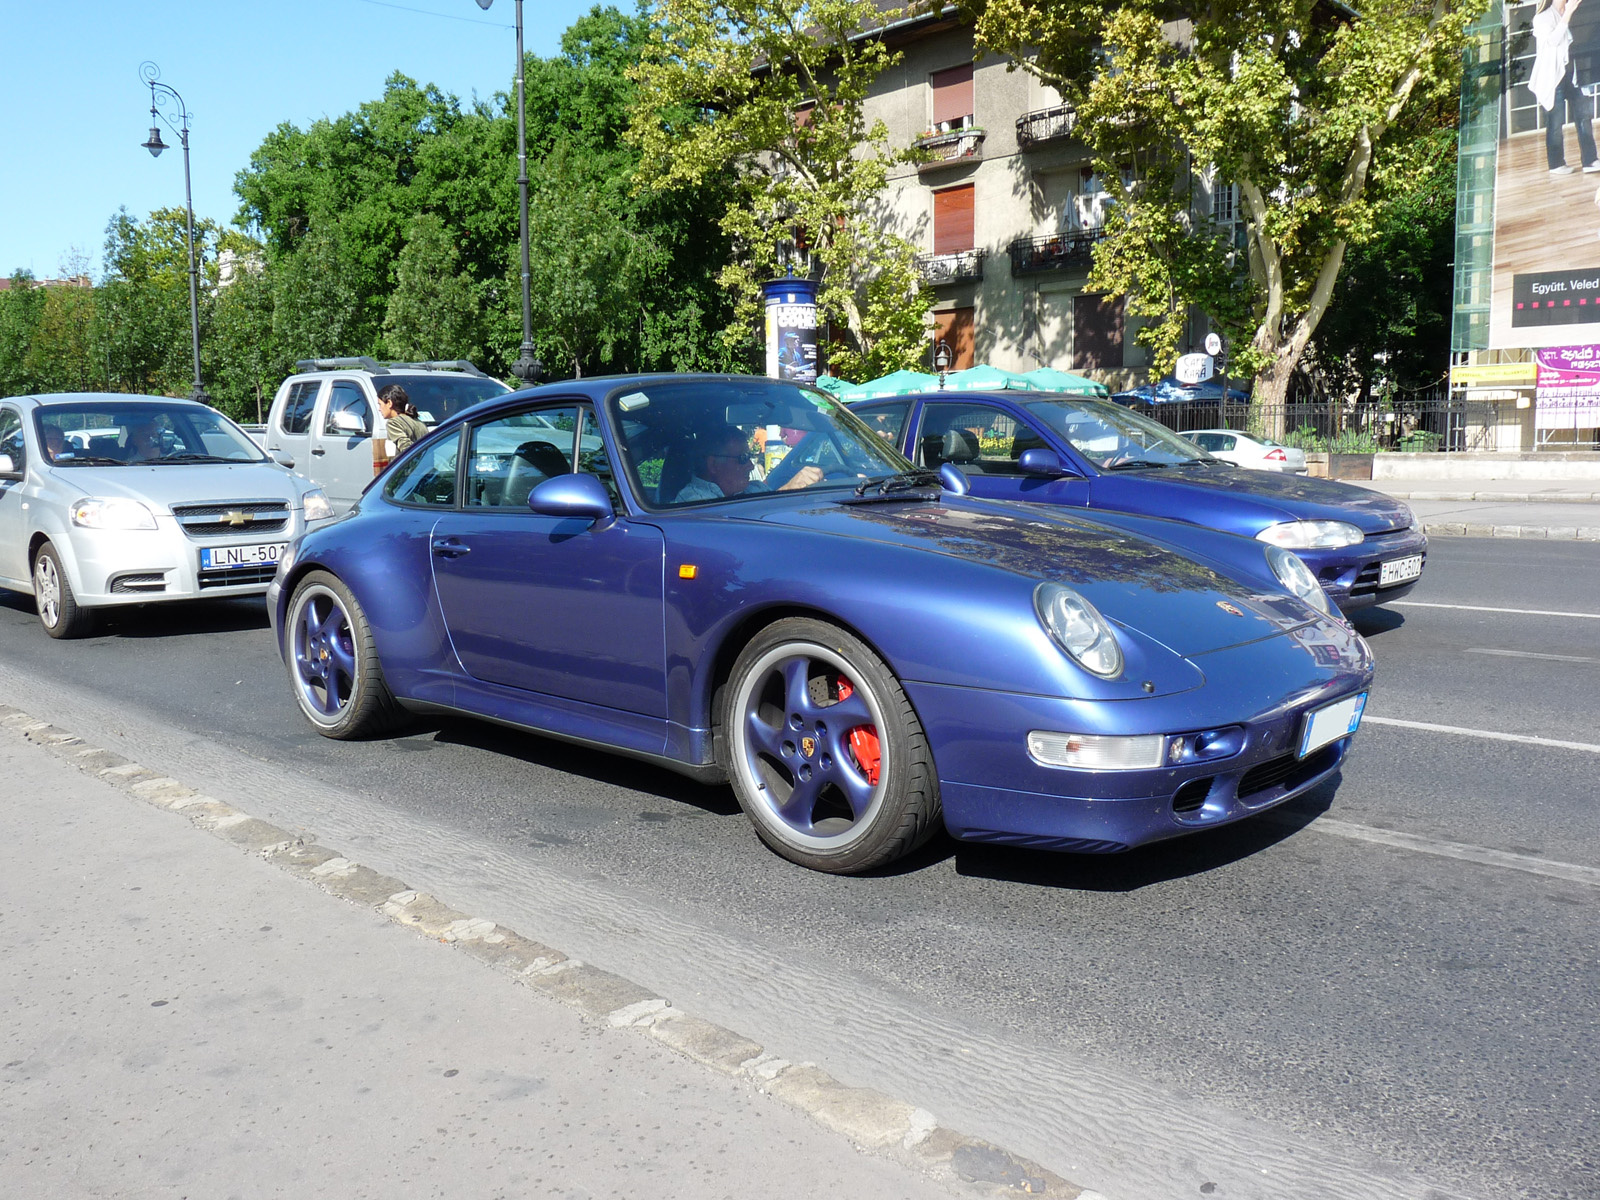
(985, 441)
(551, 605)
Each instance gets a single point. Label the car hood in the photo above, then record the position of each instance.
(1189, 491)
(1135, 581)
(194, 483)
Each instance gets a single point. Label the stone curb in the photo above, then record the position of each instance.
(1494, 497)
(1472, 529)
(874, 1122)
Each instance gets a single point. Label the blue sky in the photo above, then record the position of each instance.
(77, 113)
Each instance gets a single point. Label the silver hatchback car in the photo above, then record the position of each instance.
(110, 499)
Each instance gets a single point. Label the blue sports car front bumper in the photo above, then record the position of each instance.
(994, 791)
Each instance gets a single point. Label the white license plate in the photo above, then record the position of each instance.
(1329, 724)
(1399, 570)
(220, 558)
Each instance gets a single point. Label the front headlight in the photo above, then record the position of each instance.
(1297, 577)
(316, 505)
(115, 513)
(1078, 628)
(1311, 535)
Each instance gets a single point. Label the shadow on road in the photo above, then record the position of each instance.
(1179, 858)
(1370, 622)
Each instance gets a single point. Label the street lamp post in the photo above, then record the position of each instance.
(527, 367)
(151, 74)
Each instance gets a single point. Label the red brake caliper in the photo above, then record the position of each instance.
(863, 739)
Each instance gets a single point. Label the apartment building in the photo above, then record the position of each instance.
(1007, 210)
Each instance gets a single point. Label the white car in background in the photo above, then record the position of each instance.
(112, 499)
(1249, 450)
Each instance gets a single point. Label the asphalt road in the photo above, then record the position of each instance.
(1387, 986)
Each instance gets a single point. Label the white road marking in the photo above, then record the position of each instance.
(1531, 654)
(1488, 734)
(1525, 612)
(1571, 872)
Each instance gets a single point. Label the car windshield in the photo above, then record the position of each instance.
(439, 397)
(1111, 437)
(699, 441)
(115, 433)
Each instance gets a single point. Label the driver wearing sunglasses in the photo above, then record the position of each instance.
(725, 470)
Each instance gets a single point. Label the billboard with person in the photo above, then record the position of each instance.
(1546, 278)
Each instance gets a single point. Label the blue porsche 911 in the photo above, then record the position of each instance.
(736, 578)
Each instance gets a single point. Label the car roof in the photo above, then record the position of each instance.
(44, 398)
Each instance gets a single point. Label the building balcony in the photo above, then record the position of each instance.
(957, 267)
(1046, 125)
(950, 149)
(1054, 252)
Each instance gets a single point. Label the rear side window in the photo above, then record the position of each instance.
(428, 477)
(885, 420)
(302, 398)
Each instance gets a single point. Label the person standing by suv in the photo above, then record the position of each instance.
(400, 417)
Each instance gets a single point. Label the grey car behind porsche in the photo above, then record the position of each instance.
(110, 499)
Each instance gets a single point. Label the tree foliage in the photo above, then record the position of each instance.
(1299, 103)
(773, 91)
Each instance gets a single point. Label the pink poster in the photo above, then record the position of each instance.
(1567, 387)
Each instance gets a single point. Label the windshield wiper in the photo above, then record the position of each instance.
(86, 460)
(900, 481)
(199, 458)
(1139, 465)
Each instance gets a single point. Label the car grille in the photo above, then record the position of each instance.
(150, 581)
(1287, 772)
(238, 576)
(240, 518)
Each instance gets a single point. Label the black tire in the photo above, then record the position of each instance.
(804, 781)
(333, 663)
(59, 611)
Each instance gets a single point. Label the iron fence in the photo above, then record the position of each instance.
(1046, 125)
(1433, 426)
(1054, 252)
(950, 268)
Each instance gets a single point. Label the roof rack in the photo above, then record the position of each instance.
(359, 363)
(439, 364)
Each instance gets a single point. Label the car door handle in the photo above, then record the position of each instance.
(319, 451)
(451, 548)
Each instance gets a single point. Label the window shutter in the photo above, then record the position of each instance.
(956, 328)
(952, 220)
(952, 95)
(1096, 333)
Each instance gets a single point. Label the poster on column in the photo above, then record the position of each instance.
(1567, 388)
(1546, 279)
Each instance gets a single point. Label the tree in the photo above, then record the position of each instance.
(1298, 103)
(21, 306)
(434, 311)
(244, 360)
(774, 90)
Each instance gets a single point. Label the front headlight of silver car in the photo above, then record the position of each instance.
(316, 505)
(1311, 535)
(1297, 577)
(117, 512)
(1078, 628)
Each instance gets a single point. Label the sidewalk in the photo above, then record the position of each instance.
(187, 1019)
(1559, 509)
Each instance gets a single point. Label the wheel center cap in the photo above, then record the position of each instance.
(808, 746)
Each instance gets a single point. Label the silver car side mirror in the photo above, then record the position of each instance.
(7, 467)
(348, 422)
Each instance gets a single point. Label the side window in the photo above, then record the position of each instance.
(297, 406)
(592, 456)
(428, 477)
(886, 420)
(975, 437)
(514, 454)
(11, 443)
(1225, 443)
(1207, 441)
(348, 413)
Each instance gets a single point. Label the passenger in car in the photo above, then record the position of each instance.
(144, 442)
(55, 443)
(400, 417)
(724, 470)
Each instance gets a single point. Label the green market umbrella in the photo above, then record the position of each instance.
(984, 378)
(1051, 380)
(835, 386)
(897, 383)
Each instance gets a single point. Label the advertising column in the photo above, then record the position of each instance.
(792, 330)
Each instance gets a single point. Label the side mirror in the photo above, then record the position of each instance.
(7, 467)
(580, 496)
(282, 459)
(345, 421)
(1041, 463)
(953, 481)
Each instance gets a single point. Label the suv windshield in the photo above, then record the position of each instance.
(439, 397)
(699, 441)
(1111, 437)
(114, 433)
